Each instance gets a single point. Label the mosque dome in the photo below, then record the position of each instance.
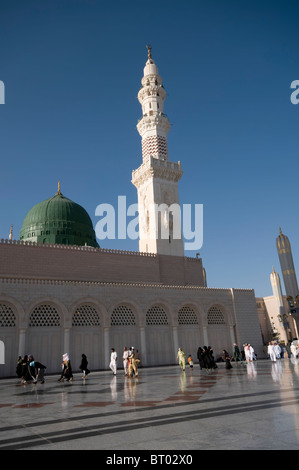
(58, 220)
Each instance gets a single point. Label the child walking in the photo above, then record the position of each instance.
(190, 361)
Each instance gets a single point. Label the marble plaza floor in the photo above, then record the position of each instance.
(250, 407)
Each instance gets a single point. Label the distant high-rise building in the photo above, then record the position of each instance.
(287, 265)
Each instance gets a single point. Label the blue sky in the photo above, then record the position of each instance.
(72, 71)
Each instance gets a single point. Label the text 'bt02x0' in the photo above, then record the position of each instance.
(153, 459)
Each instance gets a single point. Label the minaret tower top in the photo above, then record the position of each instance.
(154, 125)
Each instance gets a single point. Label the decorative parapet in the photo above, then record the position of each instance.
(15, 280)
(196, 260)
(76, 248)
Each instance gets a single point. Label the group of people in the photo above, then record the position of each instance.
(206, 360)
(29, 370)
(131, 361)
(276, 350)
(249, 352)
(205, 356)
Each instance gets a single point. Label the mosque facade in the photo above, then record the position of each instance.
(62, 293)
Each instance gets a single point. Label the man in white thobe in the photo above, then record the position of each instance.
(125, 360)
(113, 361)
(271, 352)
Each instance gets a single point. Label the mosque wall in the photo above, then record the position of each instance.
(249, 329)
(30, 260)
(47, 318)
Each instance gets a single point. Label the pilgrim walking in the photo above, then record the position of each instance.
(113, 361)
(181, 357)
(83, 366)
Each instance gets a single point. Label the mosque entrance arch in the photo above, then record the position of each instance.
(190, 335)
(44, 339)
(8, 335)
(218, 330)
(87, 337)
(159, 338)
(123, 330)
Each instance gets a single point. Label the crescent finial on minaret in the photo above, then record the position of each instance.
(149, 51)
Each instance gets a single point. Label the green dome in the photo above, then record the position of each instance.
(58, 220)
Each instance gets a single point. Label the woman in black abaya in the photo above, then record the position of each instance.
(212, 363)
(200, 358)
(83, 366)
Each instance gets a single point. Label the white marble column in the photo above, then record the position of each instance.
(175, 339)
(205, 336)
(66, 340)
(22, 341)
(232, 334)
(143, 346)
(106, 347)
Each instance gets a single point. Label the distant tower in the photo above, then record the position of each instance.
(10, 233)
(157, 178)
(277, 292)
(287, 265)
(282, 316)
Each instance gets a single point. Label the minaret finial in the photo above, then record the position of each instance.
(280, 232)
(149, 51)
(58, 192)
(10, 233)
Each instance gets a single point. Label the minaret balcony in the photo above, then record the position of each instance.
(156, 168)
(152, 121)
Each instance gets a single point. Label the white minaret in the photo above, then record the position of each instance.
(277, 292)
(157, 178)
(283, 317)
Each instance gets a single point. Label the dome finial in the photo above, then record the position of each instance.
(58, 192)
(149, 51)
